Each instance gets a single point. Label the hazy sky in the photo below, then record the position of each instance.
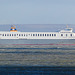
(37, 11)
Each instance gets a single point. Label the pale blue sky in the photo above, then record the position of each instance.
(37, 11)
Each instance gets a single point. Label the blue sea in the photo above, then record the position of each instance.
(34, 60)
(37, 61)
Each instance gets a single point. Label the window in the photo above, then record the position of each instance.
(10, 34)
(43, 34)
(33, 34)
(7, 34)
(29, 34)
(47, 34)
(24, 34)
(14, 34)
(70, 34)
(3, 35)
(66, 34)
(50, 34)
(61, 34)
(54, 34)
(38, 34)
(19, 35)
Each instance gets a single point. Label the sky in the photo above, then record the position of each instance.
(37, 12)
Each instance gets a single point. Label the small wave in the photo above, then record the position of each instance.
(56, 48)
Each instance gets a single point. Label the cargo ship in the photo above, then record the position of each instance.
(14, 37)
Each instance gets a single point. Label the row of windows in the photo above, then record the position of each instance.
(66, 35)
(43, 34)
(32, 35)
(27, 34)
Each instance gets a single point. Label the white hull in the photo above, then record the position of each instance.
(64, 37)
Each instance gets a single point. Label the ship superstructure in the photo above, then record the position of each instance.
(14, 34)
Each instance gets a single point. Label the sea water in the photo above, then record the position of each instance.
(37, 60)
